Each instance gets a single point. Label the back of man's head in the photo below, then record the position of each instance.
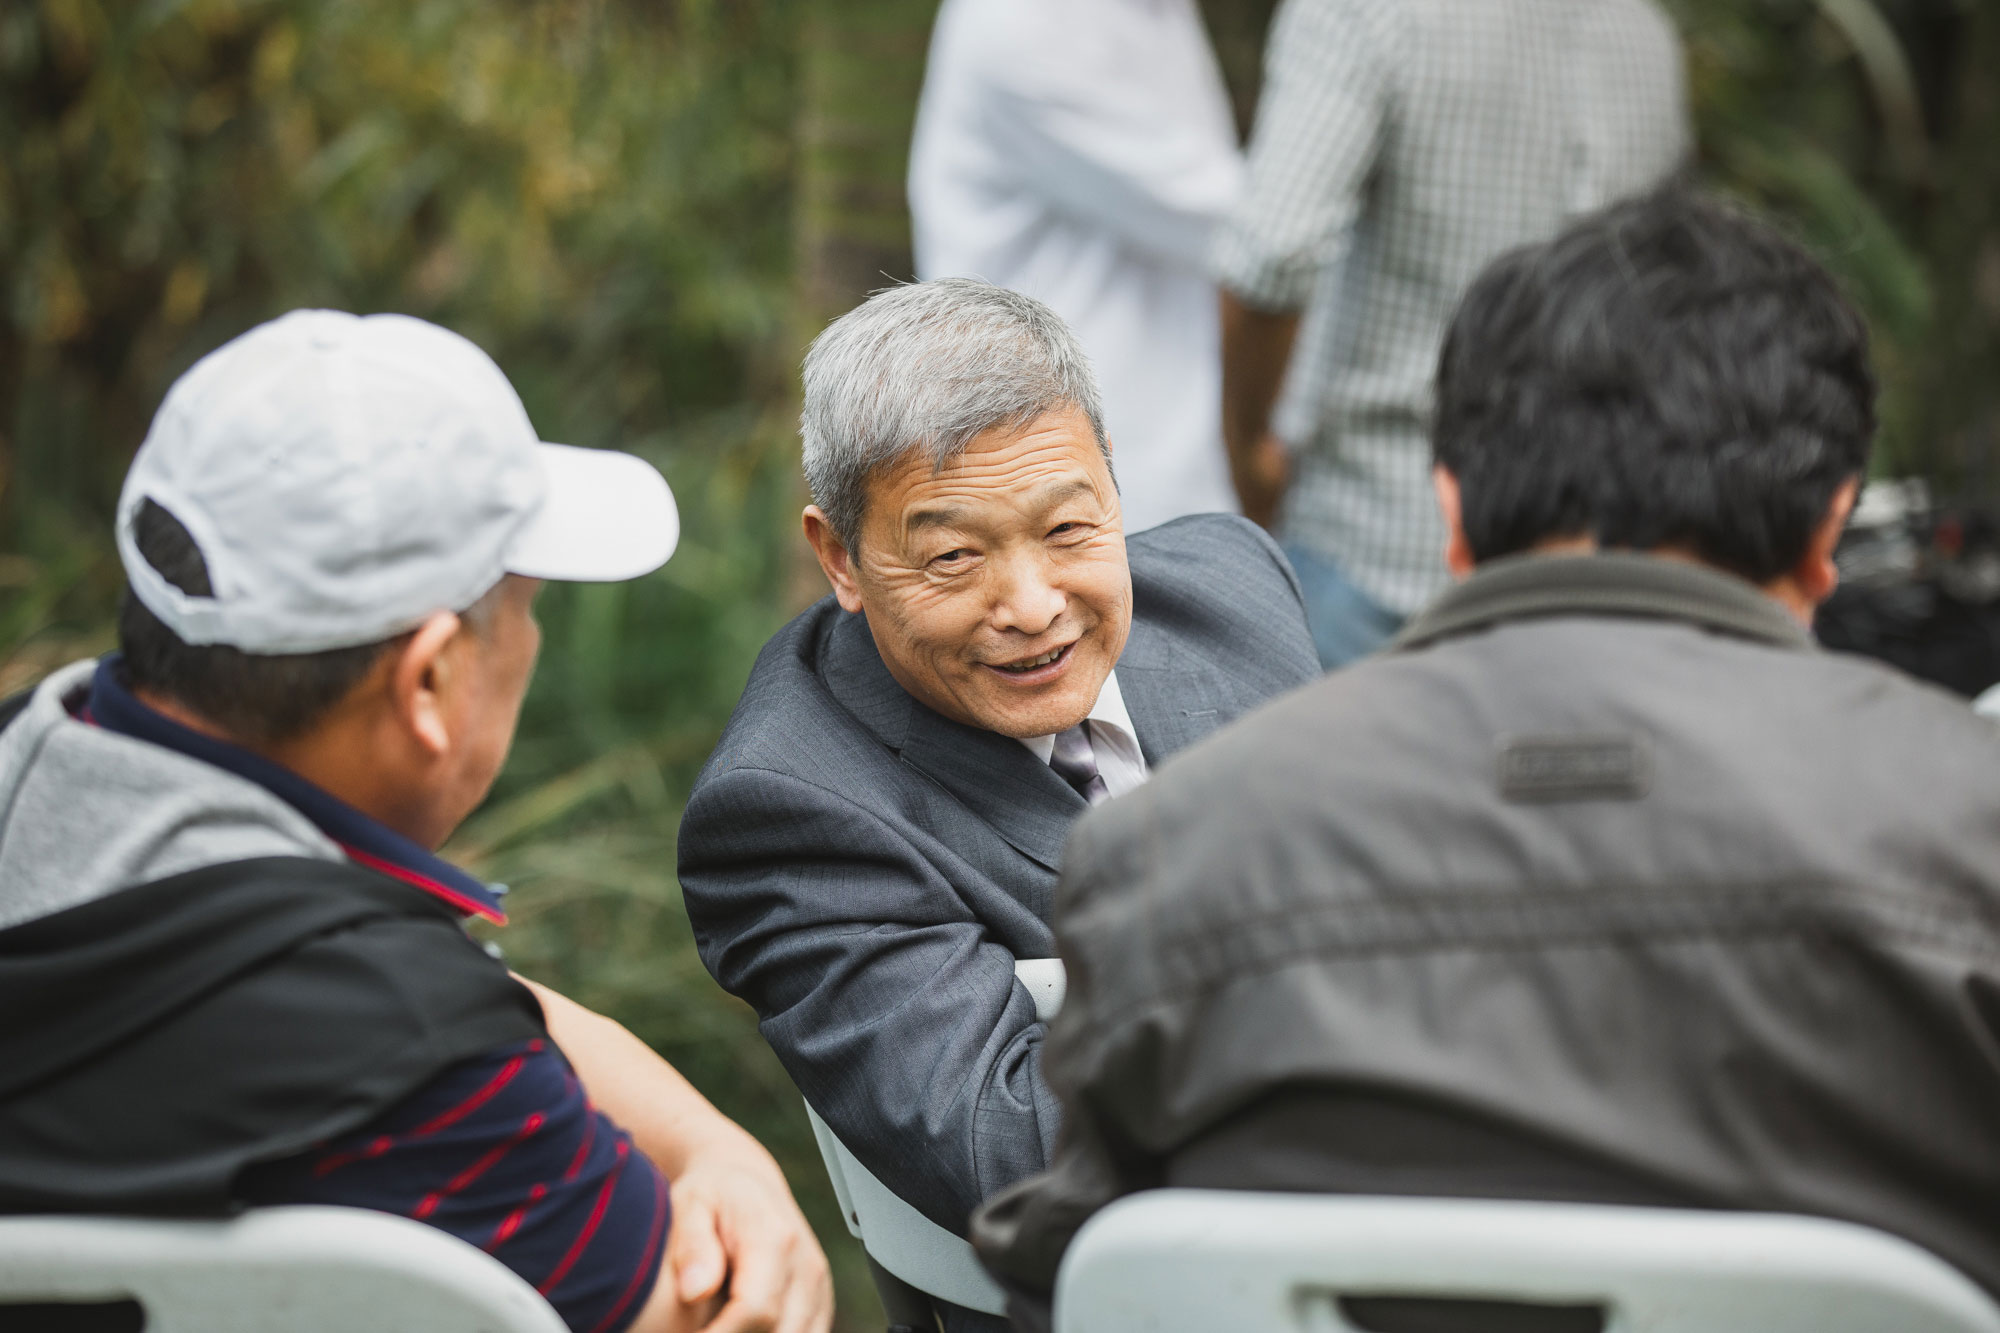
(1667, 373)
(260, 699)
(319, 490)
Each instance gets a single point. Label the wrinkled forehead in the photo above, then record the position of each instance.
(1017, 474)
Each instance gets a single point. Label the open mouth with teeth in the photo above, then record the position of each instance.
(1028, 666)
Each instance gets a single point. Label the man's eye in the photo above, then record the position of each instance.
(1071, 529)
(952, 556)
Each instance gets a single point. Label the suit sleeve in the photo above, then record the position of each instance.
(1022, 1233)
(894, 1012)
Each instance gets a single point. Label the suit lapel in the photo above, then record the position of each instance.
(858, 681)
(1174, 698)
(997, 779)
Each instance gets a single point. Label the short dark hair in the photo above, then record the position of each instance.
(260, 699)
(1665, 372)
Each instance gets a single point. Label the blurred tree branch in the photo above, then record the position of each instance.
(861, 67)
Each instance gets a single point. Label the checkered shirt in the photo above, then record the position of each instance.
(1399, 146)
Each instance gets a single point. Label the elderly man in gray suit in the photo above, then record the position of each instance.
(874, 842)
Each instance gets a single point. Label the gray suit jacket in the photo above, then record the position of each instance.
(865, 871)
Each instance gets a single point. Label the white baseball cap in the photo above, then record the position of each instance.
(347, 477)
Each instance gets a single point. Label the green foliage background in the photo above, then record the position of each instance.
(642, 210)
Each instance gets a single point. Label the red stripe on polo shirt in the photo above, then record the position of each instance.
(582, 1241)
(512, 1222)
(583, 1148)
(376, 1147)
(655, 1267)
(477, 1099)
(429, 1203)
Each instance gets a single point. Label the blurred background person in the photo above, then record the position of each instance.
(1083, 155)
(1401, 144)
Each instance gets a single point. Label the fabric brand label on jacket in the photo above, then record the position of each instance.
(1574, 768)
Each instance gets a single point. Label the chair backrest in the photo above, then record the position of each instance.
(898, 1237)
(270, 1270)
(901, 1239)
(1191, 1261)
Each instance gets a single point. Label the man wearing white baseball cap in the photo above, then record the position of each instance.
(234, 968)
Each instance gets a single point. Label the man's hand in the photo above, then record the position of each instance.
(735, 1220)
(1262, 474)
(738, 1241)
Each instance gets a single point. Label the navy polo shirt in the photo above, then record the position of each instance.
(505, 1151)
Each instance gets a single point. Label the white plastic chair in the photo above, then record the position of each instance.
(1195, 1261)
(901, 1240)
(270, 1270)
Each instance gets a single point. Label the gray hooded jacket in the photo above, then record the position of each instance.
(85, 811)
(195, 978)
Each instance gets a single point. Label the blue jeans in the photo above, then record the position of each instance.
(1346, 622)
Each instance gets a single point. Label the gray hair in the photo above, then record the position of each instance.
(927, 367)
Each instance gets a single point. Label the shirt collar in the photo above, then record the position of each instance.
(367, 841)
(1605, 584)
(1109, 710)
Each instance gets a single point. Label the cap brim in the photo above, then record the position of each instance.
(607, 516)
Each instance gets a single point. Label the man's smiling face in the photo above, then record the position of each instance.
(996, 589)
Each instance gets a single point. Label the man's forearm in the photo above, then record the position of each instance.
(1256, 347)
(738, 1240)
(667, 1118)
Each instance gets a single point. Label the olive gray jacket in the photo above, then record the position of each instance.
(1604, 884)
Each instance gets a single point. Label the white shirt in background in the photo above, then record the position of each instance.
(1120, 762)
(1083, 152)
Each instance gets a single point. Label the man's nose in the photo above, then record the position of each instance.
(1025, 599)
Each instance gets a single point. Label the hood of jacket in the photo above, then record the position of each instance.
(195, 977)
(85, 812)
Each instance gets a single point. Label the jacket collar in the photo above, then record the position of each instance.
(367, 841)
(1605, 584)
(996, 778)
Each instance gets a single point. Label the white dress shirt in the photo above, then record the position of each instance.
(1084, 154)
(1120, 762)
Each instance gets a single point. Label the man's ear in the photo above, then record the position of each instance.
(833, 558)
(419, 679)
(1815, 575)
(1457, 550)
